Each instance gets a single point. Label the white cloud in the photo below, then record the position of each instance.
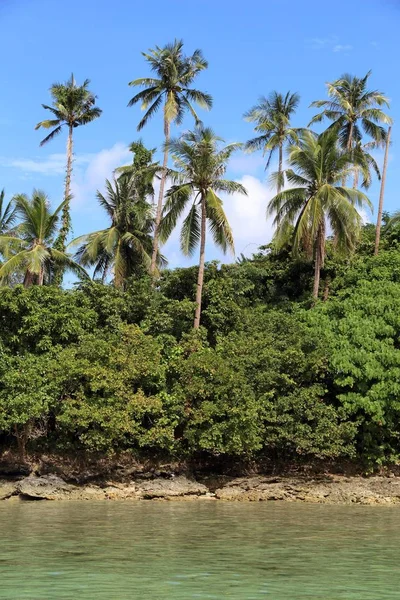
(342, 48)
(99, 167)
(247, 215)
(250, 164)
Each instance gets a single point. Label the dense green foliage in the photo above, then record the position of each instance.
(266, 376)
(297, 356)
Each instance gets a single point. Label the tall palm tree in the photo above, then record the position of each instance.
(317, 200)
(170, 89)
(354, 110)
(201, 167)
(272, 118)
(30, 250)
(125, 246)
(73, 106)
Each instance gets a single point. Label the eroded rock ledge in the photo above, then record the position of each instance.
(323, 489)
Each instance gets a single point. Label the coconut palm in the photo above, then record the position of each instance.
(201, 166)
(125, 246)
(318, 201)
(170, 89)
(272, 118)
(8, 214)
(143, 169)
(354, 110)
(73, 106)
(30, 250)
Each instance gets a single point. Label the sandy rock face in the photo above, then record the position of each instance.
(48, 487)
(52, 487)
(170, 488)
(325, 490)
(7, 489)
(329, 489)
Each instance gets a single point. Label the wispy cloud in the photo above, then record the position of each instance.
(53, 164)
(342, 48)
(331, 43)
(318, 43)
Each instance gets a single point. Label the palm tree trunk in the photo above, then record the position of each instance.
(355, 180)
(382, 194)
(65, 217)
(200, 277)
(61, 241)
(349, 147)
(280, 165)
(153, 264)
(319, 259)
(28, 279)
(350, 140)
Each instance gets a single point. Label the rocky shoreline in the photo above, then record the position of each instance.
(326, 489)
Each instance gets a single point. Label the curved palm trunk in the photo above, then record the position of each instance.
(200, 277)
(153, 264)
(319, 258)
(382, 194)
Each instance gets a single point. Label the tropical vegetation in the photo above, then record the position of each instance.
(289, 356)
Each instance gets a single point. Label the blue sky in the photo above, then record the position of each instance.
(253, 47)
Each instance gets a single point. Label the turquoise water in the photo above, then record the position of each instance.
(179, 551)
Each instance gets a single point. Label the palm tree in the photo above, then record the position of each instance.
(171, 90)
(73, 105)
(8, 214)
(272, 117)
(125, 247)
(354, 109)
(143, 169)
(201, 167)
(30, 250)
(317, 200)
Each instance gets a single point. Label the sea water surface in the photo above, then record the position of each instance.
(200, 549)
